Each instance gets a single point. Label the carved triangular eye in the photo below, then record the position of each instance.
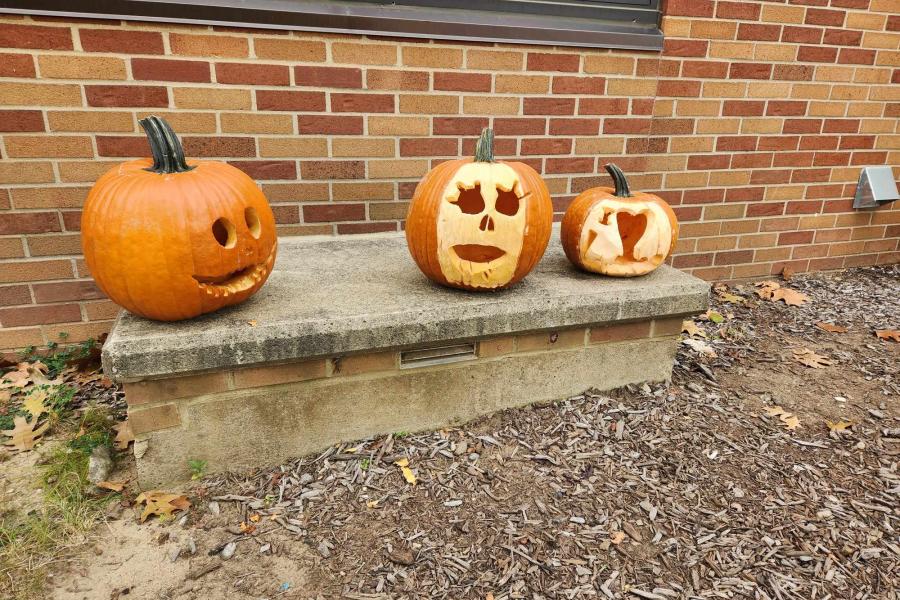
(470, 200)
(507, 202)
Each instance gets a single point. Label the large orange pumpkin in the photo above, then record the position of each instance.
(479, 224)
(616, 232)
(171, 239)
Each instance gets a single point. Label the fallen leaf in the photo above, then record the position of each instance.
(408, 475)
(839, 426)
(252, 323)
(617, 537)
(161, 503)
(789, 420)
(124, 435)
(715, 317)
(372, 503)
(245, 528)
(807, 357)
(23, 434)
(787, 273)
(774, 411)
(34, 404)
(790, 297)
(831, 327)
(700, 346)
(767, 288)
(691, 328)
(113, 486)
(254, 518)
(888, 334)
(729, 297)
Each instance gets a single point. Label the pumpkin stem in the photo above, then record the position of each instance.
(622, 190)
(484, 149)
(168, 155)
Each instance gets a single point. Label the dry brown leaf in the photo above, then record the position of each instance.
(691, 328)
(617, 537)
(774, 411)
(807, 357)
(790, 422)
(34, 404)
(161, 503)
(839, 426)
(888, 334)
(787, 273)
(831, 327)
(113, 486)
(767, 288)
(124, 435)
(246, 528)
(732, 298)
(788, 419)
(252, 323)
(408, 475)
(23, 436)
(489, 596)
(790, 297)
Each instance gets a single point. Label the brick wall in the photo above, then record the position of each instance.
(753, 123)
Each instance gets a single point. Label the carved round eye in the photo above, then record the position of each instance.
(470, 201)
(507, 202)
(252, 220)
(223, 231)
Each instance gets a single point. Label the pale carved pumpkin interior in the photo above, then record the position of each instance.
(623, 239)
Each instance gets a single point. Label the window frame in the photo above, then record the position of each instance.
(623, 24)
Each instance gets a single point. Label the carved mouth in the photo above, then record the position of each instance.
(477, 253)
(236, 281)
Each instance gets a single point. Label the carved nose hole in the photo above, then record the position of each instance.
(470, 200)
(487, 223)
(507, 202)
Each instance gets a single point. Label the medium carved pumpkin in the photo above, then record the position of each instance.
(615, 232)
(479, 224)
(171, 239)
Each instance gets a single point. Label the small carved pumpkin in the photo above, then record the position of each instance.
(615, 232)
(171, 239)
(479, 224)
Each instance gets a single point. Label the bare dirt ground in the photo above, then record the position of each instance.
(749, 475)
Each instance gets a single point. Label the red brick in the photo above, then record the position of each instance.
(397, 80)
(252, 74)
(326, 213)
(831, 159)
(549, 106)
(786, 108)
(429, 147)
(818, 16)
(841, 126)
(750, 71)
(746, 11)
(126, 95)
(579, 85)
(704, 69)
(286, 214)
(121, 41)
(290, 100)
(803, 207)
(333, 77)
(531, 146)
(603, 106)
(574, 126)
(330, 124)
(802, 126)
(690, 8)
(66, 291)
(733, 143)
(868, 158)
(39, 315)
(35, 37)
(765, 209)
(683, 261)
(332, 169)
(789, 238)
(734, 257)
(641, 126)
(639, 106)
(692, 48)
(745, 194)
(859, 4)
(810, 175)
(226, 146)
(793, 159)
(743, 108)
(472, 125)
(16, 65)
(12, 295)
(857, 142)
(581, 164)
(704, 196)
(122, 145)
(678, 88)
(462, 82)
(819, 142)
(21, 120)
(541, 61)
(843, 37)
(28, 222)
(365, 103)
(893, 23)
(357, 228)
(157, 69)
(758, 32)
(822, 54)
(856, 56)
(267, 169)
(751, 160)
(802, 35)
(824, 191)
(793, 73)
(704, 162)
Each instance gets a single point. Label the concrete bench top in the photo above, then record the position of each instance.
(332, 296)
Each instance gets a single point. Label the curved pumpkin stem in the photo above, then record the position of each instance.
(168, 155)
(621, 183)
(484, 149)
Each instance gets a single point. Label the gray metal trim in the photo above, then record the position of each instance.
(626, 26)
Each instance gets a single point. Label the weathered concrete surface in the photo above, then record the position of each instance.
(263, 426)
(331, 296)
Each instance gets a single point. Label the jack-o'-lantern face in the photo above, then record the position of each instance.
(616, 233)
(479, 224)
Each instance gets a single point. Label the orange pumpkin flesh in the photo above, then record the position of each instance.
(170, 239)
(479, 224)
(614, 232)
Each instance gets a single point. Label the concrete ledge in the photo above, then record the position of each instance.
(333, 297)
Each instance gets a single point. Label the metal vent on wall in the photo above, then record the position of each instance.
(876, 186)
(438, 355)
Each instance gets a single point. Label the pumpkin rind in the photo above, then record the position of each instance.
(658, 219)
(148, 238)
(429, 230)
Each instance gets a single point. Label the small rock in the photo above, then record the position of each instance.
(452, 503)
(738, 492)
(99, 465)
(140, 448)
(306, 478)
(265, 548)
(174, 553)
(214, 508)
(183, 521)
(474, 456)
(324, 549)
(401, 556)
(228, 551)
(577, 520)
